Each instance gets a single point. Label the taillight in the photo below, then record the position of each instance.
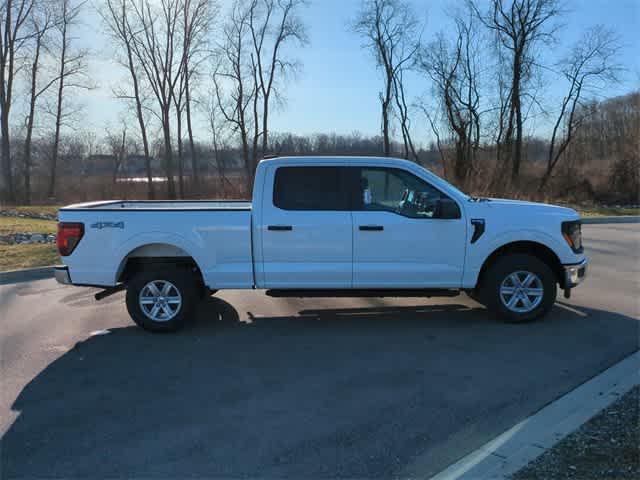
(69, 235)
(572, 233)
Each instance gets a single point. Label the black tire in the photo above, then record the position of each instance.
(187, 286)
(507, 265)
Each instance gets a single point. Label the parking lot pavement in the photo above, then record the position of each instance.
(320, 388)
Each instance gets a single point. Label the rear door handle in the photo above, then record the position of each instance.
(280, 228)
(371, 228)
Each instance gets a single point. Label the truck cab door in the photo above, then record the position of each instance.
(399, 241)
(306, 228)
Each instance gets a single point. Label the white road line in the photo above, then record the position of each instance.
(525, 441)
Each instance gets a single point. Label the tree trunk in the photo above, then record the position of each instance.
(192, 150)
(6, 155)
(143, 128)
(517, 108)
(385, 117)
(180, 155)
(168, 154)
(265, 124)
(56, 141)
(246, 157)
(30, 120)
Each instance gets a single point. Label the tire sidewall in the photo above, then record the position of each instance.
(183, 280)
(506, 265)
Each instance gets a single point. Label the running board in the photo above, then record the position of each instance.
(357, 292)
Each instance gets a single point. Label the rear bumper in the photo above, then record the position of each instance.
(575, 274)
(61, 274)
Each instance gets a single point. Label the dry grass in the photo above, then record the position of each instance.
(606, 211)
(26, 225)
(13, 257)
(37, 209)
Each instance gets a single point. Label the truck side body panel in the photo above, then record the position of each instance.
(219, 241)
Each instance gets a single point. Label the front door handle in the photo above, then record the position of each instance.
(371, 228)
(280, 228)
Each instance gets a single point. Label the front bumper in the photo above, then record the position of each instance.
(575, 274)
(62, 275)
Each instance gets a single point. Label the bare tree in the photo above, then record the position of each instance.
(216, 128)
(178, 102)
(519, 25)
(389, 29)
(404, 115)
(15, 33)
(234, 69)
(196, 19)
(454, 73)
(273, 25)
(116, 17)
(42, 22)
(71, 67)
(117, 143)
(590, 65)
(433, 124)
(157, 48)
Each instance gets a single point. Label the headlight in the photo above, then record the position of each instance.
(572, 233)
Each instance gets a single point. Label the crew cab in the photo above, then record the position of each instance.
(325, 226)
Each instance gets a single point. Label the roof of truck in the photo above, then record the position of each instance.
(319, 159)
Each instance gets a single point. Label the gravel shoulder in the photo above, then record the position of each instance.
(607, 446)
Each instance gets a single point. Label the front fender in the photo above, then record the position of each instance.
(478, 253)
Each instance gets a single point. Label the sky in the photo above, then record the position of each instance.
(337, 88)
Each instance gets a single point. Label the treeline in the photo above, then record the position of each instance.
(496, 129)
(602, 163)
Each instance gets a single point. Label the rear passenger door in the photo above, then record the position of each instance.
(306, 228)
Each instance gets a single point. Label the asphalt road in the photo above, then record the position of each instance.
(323, 388)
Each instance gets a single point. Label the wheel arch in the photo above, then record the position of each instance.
(153, 255)
(528, 247)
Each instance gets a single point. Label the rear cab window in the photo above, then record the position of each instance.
(311, 188)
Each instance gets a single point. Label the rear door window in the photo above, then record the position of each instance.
(311, 188)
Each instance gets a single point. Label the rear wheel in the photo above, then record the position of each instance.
(519, 288)
(162, 300)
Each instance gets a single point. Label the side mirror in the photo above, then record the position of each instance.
(447, 209)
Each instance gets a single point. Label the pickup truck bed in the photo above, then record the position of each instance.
(215, 234)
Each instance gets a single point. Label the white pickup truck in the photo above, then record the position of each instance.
(325, 226)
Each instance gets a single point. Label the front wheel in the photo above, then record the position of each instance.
(162, 300)
(520, 288)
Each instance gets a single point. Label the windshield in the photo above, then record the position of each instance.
(452, 187)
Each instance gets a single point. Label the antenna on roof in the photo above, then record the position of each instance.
(270, 155)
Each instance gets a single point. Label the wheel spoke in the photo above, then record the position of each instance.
(528, 279)
(515, 280)
(153, 289)
(147, 300)
(535, 292)
(513, 301)
(507, 290)
(173, 300)
(526, 303)
(165, 289)
(154, 311)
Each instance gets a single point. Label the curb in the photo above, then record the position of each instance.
(619, 219)
(26, 275)
(509, 452)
